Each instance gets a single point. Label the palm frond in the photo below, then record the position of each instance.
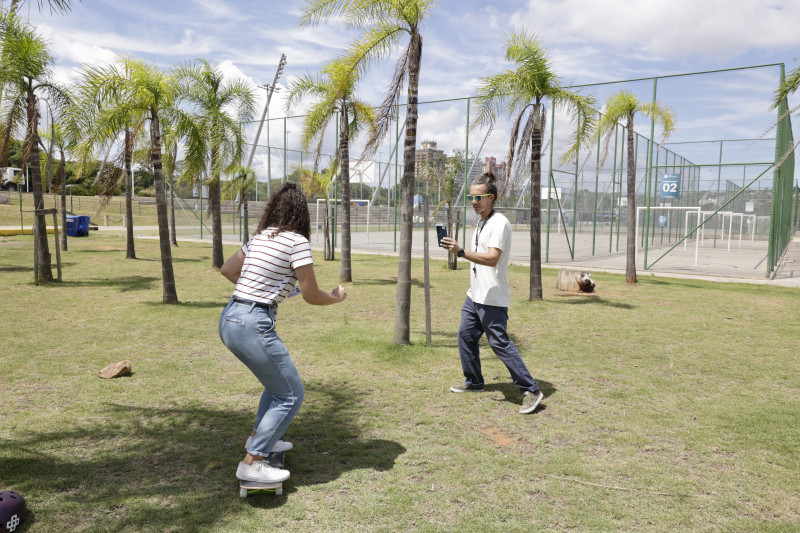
(581, 110)
(493, 93)
(375, 44)
(388, 109)
(318, 11)
(303, 87)
(661, 115)
(362, 116)
(352, 13)
(789, 86)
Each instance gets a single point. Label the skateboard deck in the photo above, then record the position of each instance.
(254, 487)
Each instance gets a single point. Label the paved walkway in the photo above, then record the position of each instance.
(676, 265)
(789, 268)
(383, 243)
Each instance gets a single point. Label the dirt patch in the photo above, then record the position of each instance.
(499, 439)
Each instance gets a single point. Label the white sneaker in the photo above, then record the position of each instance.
(530, 401)
(280, 446)
(261, 472)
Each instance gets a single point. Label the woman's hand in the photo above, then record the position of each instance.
(339, 292)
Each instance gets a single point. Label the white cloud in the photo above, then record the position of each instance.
(221, 11)
(100, 44)
(717, 29)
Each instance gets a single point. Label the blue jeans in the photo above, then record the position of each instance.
(249, 332)
(477, 319)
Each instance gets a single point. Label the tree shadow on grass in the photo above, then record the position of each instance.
(217, 304)
(136, 468)
(414, 282)
(189, 260)
(94, 251)
(18, 269)
(123, 284)
(592, 299)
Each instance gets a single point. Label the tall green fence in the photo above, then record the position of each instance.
(731, 209)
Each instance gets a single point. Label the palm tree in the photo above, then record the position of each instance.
(787, 87)
(242, 182)
(522, 93)
(140, 89)
(96, 122)
(442, 175)
(25, 77)
(384, 23)
(55, 5)
(333, 92)
(623, 105)
(214, 138)
(318, 184)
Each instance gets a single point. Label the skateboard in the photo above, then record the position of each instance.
(254, 487)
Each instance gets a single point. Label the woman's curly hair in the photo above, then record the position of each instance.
(287, 210)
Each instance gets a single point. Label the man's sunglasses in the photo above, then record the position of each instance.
(477, 197)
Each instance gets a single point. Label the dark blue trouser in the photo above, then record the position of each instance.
(477, 319)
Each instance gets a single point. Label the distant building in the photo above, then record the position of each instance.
(490, 164)
(429, 153)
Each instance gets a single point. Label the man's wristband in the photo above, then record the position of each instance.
(460, 253)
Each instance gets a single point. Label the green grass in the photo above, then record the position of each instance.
(671, 405)
(144, 214)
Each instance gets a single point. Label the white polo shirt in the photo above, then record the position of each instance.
(489, 285)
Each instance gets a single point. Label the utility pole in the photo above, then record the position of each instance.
(270, 89)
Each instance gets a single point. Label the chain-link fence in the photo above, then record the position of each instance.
(709, 199)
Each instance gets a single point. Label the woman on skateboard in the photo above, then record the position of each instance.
(275, 264)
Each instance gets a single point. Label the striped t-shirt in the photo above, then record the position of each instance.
(268, 270)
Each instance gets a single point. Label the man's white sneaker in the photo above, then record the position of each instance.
(280, 446)
(261, 472)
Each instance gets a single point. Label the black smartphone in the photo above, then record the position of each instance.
(441, 232)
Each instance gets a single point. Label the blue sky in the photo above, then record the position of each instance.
(589, 41)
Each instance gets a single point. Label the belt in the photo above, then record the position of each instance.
(254, 304)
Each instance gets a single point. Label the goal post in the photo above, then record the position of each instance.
(688, 210)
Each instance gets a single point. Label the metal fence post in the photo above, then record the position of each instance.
(649, 174)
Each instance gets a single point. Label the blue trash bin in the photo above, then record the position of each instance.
(72, 225)
(83, 225)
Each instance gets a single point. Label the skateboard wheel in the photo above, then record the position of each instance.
(279, 491)
(243, 493)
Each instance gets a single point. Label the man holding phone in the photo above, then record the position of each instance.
(486, 308)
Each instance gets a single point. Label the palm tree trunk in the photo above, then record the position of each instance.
(170, 295)
(173, 236)
(45, 272)
(630, 263)
(402, 317)
(345, 271)
(130, 251)
(214, 204)
(246, 229)
(62, 176)
(536, 204)
(49, 165)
